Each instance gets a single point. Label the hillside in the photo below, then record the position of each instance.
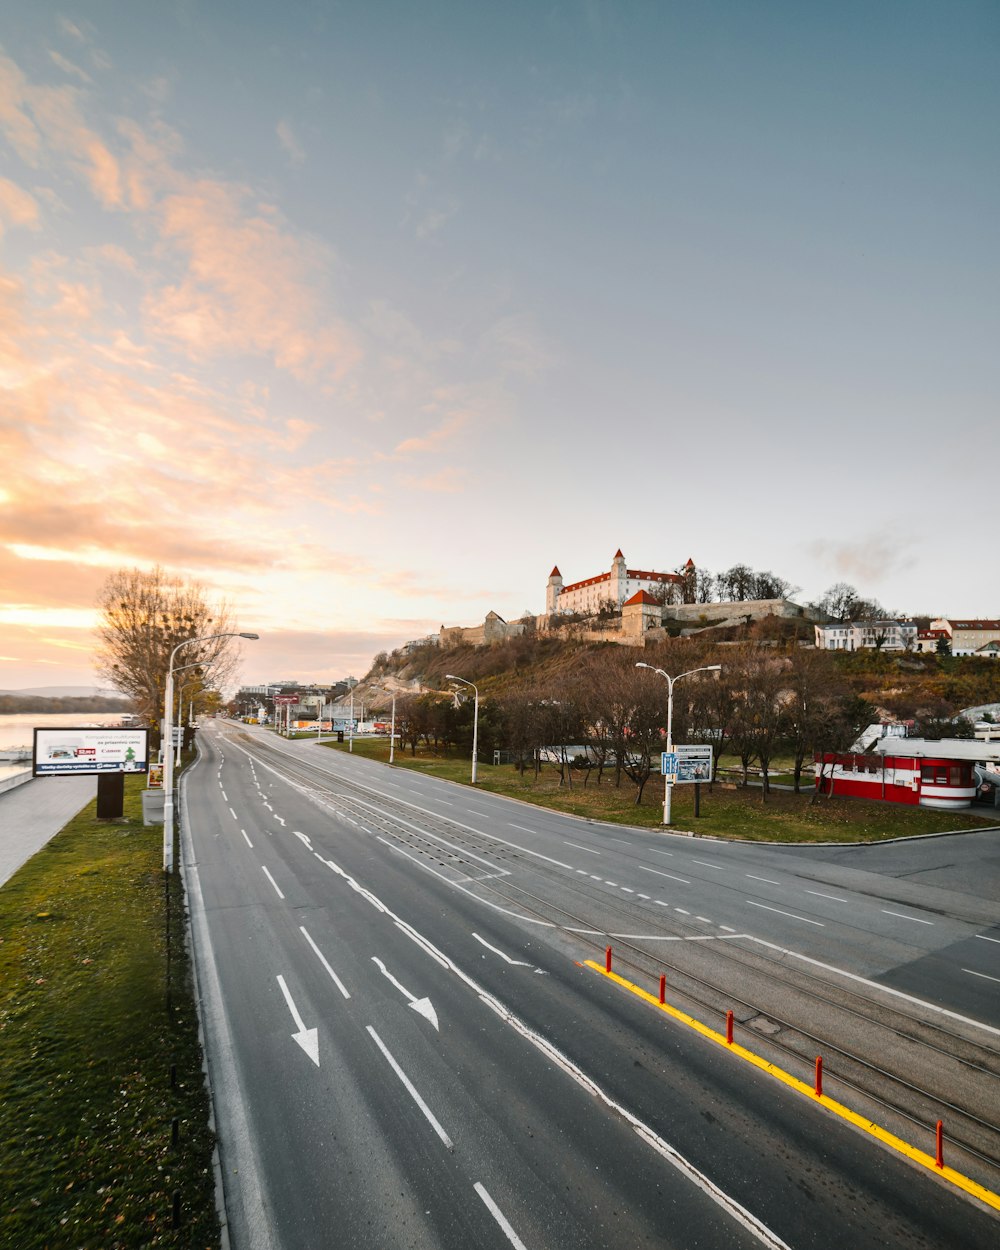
(928, 689)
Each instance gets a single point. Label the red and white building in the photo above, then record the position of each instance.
(610, 589)
(907, 770)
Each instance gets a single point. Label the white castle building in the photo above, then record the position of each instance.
(610, 589)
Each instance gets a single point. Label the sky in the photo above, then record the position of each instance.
(365, 314)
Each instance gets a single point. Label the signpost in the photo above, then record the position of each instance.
(688, 766)
(691, 764)
(89, 751)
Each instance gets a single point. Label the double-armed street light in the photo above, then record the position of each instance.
(708, 668)
(475, 720)
(167, 742)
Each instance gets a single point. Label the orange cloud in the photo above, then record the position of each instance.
(17, 207)
(248, 284)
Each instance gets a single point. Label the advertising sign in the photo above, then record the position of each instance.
(694, 764)
(90, 750)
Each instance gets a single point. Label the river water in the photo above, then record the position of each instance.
(16, 727)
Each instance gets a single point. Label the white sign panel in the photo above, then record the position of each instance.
(65, 751)
(694, 764)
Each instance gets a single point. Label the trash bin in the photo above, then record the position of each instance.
(340, 735)
(152, 807)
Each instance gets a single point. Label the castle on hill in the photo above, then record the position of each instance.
(615, 588)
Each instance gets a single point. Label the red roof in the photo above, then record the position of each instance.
(618, 554)
(555, 571)
(640, 596)
(690, 563)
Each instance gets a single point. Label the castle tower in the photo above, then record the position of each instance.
(619, 580)
(690, 583)
(553, 589)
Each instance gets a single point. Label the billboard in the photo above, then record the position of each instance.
(691, 764)
(90, 750)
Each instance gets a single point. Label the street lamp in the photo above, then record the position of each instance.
(708, 668)
(475, 719)
(168, 755)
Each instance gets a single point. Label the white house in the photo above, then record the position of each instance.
(863, 635)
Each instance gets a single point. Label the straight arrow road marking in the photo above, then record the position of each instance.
(421, 1005)
(308, 1039)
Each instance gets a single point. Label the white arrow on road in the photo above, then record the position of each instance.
(308, 1039)
(421, 1005)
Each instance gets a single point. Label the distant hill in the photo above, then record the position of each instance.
(67, 692)
(20, 701)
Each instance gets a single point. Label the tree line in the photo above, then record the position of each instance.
(604, 720)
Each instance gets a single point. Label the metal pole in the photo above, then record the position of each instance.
(350, 727)
(475, 735)
(168, 769)
(392, 731)
(667, 787)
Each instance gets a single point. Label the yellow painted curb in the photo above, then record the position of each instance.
(883, 1135)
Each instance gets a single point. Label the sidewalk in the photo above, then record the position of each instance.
(33, 813)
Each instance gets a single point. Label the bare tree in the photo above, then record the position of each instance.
(143, 616)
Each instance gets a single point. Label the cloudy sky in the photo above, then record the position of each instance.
(366, 313)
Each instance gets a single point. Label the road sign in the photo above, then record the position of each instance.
(668, 766)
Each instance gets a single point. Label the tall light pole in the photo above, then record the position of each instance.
(392, 731)
(708, 668)
(350, 727)
(168, 754)
(475, 720)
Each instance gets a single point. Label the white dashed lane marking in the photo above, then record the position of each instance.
(899, 914)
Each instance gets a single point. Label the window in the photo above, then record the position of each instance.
(927, 772)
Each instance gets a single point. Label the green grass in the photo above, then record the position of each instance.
(727, 810)
(87, 1041)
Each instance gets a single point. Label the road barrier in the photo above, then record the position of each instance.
(815, 1093)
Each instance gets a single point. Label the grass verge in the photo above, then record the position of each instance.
(97, 1060)
(727, 810)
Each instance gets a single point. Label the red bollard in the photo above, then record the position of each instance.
(607, 960)
(939, 1160)
(729, 1028)
(663, 990)
(819, 1076)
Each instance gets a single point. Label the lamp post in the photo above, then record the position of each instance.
(168, 754)
(350, 727)
(708, 668)
(475, 719)
(392, 731)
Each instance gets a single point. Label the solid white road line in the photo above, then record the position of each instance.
(899, 914)
(984, 938)
(249, 843)
(786, 913)
(581, 848)
(411, 1090)
(322, 958)
(833, 897)
(272, 881)
(500, 1218)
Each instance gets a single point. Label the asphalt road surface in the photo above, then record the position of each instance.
(408, 1049)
